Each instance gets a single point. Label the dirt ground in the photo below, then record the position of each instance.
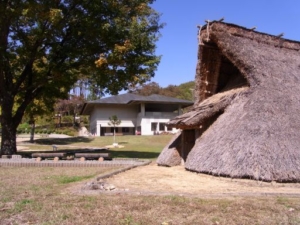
(157, 180)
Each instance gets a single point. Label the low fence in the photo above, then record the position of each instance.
(25, 162)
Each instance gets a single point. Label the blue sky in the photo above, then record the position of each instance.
(178, 44)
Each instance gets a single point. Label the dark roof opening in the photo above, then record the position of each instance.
(218, 74)
(229, 77)
(160, 107)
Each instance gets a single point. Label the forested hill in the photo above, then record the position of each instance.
(182, 91)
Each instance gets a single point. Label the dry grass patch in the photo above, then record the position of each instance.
(29, 194)
(42, 196)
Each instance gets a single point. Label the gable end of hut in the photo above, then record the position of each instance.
(246, 104)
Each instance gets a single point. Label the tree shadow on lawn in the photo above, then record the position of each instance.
(115, 153)
(62, 141)
(133, 154)
(68, 151)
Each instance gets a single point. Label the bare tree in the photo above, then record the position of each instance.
(114, 121)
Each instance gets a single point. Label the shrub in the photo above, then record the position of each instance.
(23, 126)
(70, 133)
(67, 119)
(19, 131)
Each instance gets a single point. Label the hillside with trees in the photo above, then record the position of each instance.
(182, 91)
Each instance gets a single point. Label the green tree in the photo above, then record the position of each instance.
(147, 89)
(186, 90)
(69, 106)
(114, 121)
(37, 108)
(46, 46)
(182, 91)
(171, 91)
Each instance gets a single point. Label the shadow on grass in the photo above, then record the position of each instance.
(133, 154)
(63, 141)
(129, 154)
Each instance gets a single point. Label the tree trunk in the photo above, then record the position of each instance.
(9, 126)
(114, 134)
(32, 129)
(8, 142)
(59, 119)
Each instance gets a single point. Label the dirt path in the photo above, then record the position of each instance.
(152, 179)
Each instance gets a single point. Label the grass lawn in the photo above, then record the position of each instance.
(133, 146)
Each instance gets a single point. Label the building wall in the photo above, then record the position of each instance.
(133, 117)
(147, 122)
(152, 126)
(100, 116)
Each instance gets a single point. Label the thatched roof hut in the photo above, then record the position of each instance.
(245, 122)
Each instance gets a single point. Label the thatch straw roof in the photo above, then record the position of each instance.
(170, 156)
(206, 109)
(249, 83)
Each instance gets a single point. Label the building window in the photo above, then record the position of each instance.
(125, 129)
(162, 126)
(153, 126)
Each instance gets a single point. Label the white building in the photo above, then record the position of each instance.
(145, 115)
